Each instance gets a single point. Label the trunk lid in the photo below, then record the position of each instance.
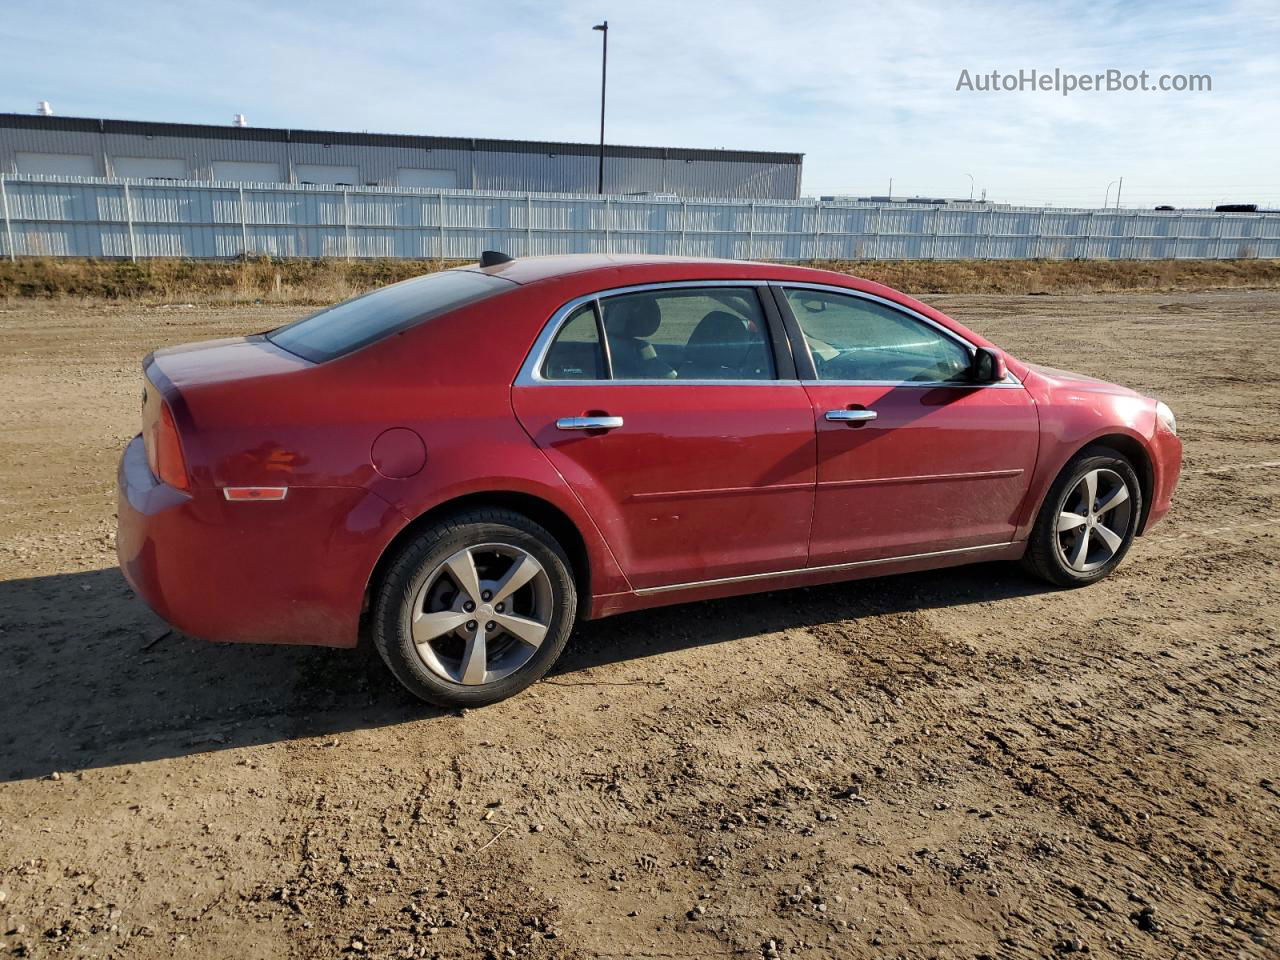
(223, 397)
(219, 361)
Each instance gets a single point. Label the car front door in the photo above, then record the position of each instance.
(912, 458)
(674, 414)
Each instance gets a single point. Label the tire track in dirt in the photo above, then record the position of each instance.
(947, 764)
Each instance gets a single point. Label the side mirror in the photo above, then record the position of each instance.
(988, 366)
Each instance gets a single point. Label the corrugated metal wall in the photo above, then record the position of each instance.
(377, 158)
(92, 217)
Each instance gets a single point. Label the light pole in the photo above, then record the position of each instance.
(1107, 199)
(970, 176)
(604, 76)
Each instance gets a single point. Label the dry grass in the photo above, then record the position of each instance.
(326, 281)
(1063, 276)
(198, 281)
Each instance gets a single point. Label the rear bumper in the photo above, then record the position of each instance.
(1166, 468)
(290, 571)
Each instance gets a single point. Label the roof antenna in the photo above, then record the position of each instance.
(491, 258)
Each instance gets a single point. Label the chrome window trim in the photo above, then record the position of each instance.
(530, 374)
(1009, 382)
(531, 370)
(622, 382)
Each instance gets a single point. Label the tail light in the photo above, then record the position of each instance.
(164, 447)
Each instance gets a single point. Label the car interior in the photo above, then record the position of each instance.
(677, 336)
(860, 340)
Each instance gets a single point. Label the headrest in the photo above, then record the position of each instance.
(719, 327)
(632, 316)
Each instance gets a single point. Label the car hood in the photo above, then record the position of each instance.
(1079, 382)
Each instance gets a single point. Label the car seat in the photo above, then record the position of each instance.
(627, 322)
(722, 347)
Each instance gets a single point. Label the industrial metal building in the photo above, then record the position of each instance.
(82, 147)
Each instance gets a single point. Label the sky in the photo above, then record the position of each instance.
(868, 92)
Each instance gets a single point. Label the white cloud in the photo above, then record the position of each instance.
(867, 92)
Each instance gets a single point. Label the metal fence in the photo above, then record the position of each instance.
(89, 217)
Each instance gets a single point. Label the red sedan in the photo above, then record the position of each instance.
(464, 464)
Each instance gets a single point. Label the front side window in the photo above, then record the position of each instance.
(360, 321)
(852, 338)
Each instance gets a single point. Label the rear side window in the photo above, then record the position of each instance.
(711, 333)
(360, 321)
(715, 333)
(576, 353)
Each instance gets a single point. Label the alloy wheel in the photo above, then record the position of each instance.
(1094, 520)
(482, 614)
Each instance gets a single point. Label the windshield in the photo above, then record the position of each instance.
(358, 322)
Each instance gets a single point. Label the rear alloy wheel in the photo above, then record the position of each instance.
(482, 614)
(1088, 521)
(475, 609)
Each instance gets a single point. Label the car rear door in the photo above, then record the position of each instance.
(912, 458)
(674, 414)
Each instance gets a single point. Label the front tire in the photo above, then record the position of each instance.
(1088, 520)
(475, 609)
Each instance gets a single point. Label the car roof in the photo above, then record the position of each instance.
(590, 272)
(524, 270)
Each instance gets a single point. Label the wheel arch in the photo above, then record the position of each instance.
(1129, 445)
(541, 511)
(1136, 453)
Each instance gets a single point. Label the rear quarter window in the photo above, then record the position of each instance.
(362, 320)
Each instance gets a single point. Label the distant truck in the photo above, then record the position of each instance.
(1236, 208)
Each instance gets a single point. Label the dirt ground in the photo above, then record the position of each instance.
(953, 764)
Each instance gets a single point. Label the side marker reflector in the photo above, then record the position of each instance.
(239, 494)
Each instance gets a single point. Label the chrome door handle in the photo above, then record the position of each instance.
(850, 415)
(588, 423)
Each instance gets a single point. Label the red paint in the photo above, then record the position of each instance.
(398, 453)
(723, 486)
(703, 482)
(939, 468)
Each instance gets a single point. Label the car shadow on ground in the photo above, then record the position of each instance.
(94, 679)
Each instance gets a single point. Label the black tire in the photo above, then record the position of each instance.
(406, 577)
(1044, 556)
